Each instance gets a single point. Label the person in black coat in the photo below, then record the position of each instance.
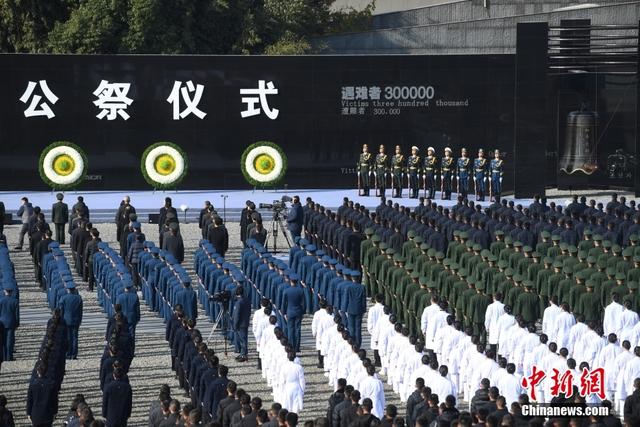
(116, 401)
(232, 408)
(173, 244)
(42, 398)
(632, 405)
(122, 216)
(218, 236)
(335, 399)
(60, 217)
(295, 217)
(6, 416)
(241, 316)
(350, 412)
(413, 400)
(163, 213)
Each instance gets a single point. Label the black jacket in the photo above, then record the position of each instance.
(219, 238)
(116, 403)
(42, 400)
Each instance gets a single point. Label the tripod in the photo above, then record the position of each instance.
(222, 322)
(277, 224)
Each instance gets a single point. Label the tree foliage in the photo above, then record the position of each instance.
(172, 26)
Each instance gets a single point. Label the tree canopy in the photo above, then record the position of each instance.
(172, 26)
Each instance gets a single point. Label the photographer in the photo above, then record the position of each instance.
(295, 218)
(241, 317)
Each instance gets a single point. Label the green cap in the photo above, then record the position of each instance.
(418, 240)
(431, 253)
(581, 275)
(517, 244)
(606, 244)
(397, 257)
(368, 231)
(620, 276)
(555, 237)
(462, 272)
(454, 266)
(471, 280)
(616, 249)
(376, 238)
(587, 232)
(573, 249)
(536, 254)
(591, 260)
(446, 262)
(415, 275)
(390, 251)
(423, 280)
(456, 233)
(383, 246)
(439, 255)
(527, 249)
(480, 285)
(633, 238)
(469, 244)
(627, 252)
(431, 285)
(545, 234)
(601, 263)
(485, 253)
(409, 266)
(477, 247)
(499, 233)
(611, 271)
(597, 237)
(492, 258)
(508, 240)
(464, 235)
(423, 246)
(632, 286)
(528, 284)
(563, 246)
(503, 264)
(508, 272)
(557, 264)
(590, 284)
(636, 258)
(582, 254)
(548, 260)
(517, 278)
(411, 234)
(567, 270)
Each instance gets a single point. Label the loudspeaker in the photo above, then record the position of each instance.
(154, 218)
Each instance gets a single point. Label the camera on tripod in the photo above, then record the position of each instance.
(222, 297)
(278, 205)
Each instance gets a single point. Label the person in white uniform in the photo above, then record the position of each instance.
(375, 314)
(294, 385)
(491, 318)
(612, 323)
(549, 318)
(371, 387)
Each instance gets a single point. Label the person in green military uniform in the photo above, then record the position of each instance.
(413, 171)
(545, 243)
(516, 255)
(466, 255)
(516, 289)
(633, 275)
(365, 245)
(597, 248)
(477, 309)
(564, 286)
(606, 252)
(576, 290)
(421, 257)
(412, 295)
(582, 262)
(555, 249)
(626, 264)
(489, 274)
(368, 263)
(412, 288)
(571, 257)
(474, 260)
(394, 278)
(632, 297)
(633, 242)
(462, 303)
(616, 256)
(381, 171)
(615, 283)
(523, 264)
(410, 244)
(436, 268)
(507, 251)
(482, 265)
(542, 277)
(586, 243)
(364, 171)
(397, 172)
(60, 216)
(505, 285)
(589, 304)
(599, 276)
(533, 268)
(428, 265)
(457, 250)
(459, 286)
(497, 246)
(447, 278)
(383, 258)
(528, 304)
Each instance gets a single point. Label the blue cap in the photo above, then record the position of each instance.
(327, 258)
(303, 242)
(136, 224)
(355, 273)
(54, 245)
(171, 259)
(265, 255)
(147, 244)
(261, 250)
(294, 277)
(226, 265)
(333, 261)
(296, 239)
(310, 248)
(346, 272)
(320, 253)
(155, 250)
(339, 267)
(127, 283)
(220, 260)
(238, 276)
(70, 285)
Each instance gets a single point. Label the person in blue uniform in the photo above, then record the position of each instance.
(295, 218)
(446, 174)
(496, 167)
(293, 308)
(130, 304)
(117, 400)
(70, 306)
(188, 299)
(241, 316)
(413, 169)
(480, 175)
(382, 168)
(10, 319)
(462, 170)
(356, 307)
(429, 170)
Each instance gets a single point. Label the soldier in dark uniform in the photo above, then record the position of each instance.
(117, 400)
(293, 308)
(42, 398)
(496, 168)
(364, 169)
(163, 215)
(122, 216)
(446, 174)
(429, 171)
(413, 169)
(480, 175)
(462, 171)
(382, 168)
(397, 166)
(173, 244)
(60, 216)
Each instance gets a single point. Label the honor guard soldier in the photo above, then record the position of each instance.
(429, 173)
(60, 216)
(364, 169)
(462, 171)
(495, 186)
(413, 169)
(446, 174)
(480, 175)
(397, 166)
(382, 167)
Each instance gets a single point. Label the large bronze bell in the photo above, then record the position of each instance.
(580, 143)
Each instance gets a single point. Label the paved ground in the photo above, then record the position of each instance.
(151, 366)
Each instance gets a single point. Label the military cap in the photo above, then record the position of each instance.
(627, 252)
(423, 280)
(572, 249)
(454, 266)
(633, 238)
(411, 234)
(518, 278)
(545, 234)
(547, 260)
(508, 240)
(492, 258)
(632, 285)
(485, 253)
(587, 232)
(261, 250)
(149, 244)
(611, 271)
(590, 283)
(397, 256)
(601, 263)
(418, 239)
(415, 275)
(480, 285)
(606, 244)
(303, 242)
(431, 285)
(368, 231)
(383, 246)
(567, 270)
(320, 253)
(517, 244)
(503, 264)
(409, 266)
(528, 284)
(536, 254)
(581, 275)
(446, 262)
(456, 233)
(582, 254)
(294, 276)
(477, 247)
(527, 249)
(564, 246)
(355, 273)
(155, 250)
(462, 272)
(620, 276)
(464, 235)
(499, 233)
(136, 224)
(376, 238)
(333, 261)
(424, 246)
(68, 285)
(469, 244)
(591, 260)
(555, 237)
(439, 255)
(310, 248)
(431, 252)
(597, 237)
(616, 249)
(127, 284)
(508, 272)
(636, 258)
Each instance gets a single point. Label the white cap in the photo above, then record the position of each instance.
(447, 149)
(414, 148)
(431, 149)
